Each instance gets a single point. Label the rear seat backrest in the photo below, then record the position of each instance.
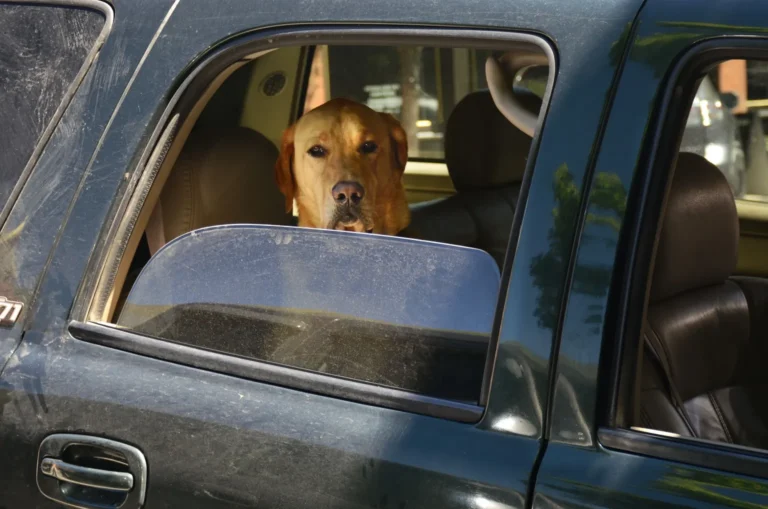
(697, 330)
(486, 157)
(222, 176)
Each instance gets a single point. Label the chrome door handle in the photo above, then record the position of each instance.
(84, 476)
(88, 472)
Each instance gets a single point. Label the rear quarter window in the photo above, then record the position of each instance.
(42, 49)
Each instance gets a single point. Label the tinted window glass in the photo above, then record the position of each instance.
(398, 312)
(42, 48)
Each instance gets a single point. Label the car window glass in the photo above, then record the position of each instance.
(42, 49)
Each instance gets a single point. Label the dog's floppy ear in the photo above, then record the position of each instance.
(284, 168)
(398, 141)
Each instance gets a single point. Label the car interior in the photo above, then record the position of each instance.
(219, 167)
(704, 335)
(704, 330)
(214, 165)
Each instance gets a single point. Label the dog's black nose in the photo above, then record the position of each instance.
(348, 193)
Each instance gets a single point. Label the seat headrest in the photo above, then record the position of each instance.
(482, 148)
(222, 176)
(699, 237)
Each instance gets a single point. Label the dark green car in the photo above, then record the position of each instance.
(576, 316)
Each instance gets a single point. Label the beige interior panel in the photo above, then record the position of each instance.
(753, 240)
(426, 181)
(270, 115)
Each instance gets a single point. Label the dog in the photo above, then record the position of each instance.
(343, 163)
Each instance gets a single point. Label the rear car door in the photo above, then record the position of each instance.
(112, 416)
(615, 463)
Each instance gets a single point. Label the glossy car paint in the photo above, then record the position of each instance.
(219, 441)
(579, 471)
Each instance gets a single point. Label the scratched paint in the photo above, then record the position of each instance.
(42, 48)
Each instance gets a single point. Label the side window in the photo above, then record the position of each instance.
(293, 238)
(42, 49)
(704, 333)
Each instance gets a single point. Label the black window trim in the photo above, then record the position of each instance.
(261, 371)
(692, 451)
(96, 5)
(630, 288)
(188, 89)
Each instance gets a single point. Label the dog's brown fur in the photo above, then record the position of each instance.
(341, 128)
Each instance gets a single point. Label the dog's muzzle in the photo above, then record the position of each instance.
(348, 216)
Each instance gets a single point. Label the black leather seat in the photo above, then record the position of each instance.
(486, 158)
(705, 335)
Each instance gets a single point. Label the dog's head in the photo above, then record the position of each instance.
(344, 163)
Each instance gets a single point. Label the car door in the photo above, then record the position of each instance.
(614, 464)
(115, 423)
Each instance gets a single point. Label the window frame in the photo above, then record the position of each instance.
(185, 95)
(619, 358)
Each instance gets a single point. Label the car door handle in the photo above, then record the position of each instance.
(84, 476)
(89, 472)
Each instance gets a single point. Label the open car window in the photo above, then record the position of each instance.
(261, 232)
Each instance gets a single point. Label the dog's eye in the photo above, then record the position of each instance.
(316, 151)
(369, 147)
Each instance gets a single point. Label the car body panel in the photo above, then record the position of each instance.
(217, 441)
(659, 43)
(49, 71)
(586, 478)
(666, 30)
(34, 223)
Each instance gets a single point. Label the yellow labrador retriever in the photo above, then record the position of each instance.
(344, 163)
